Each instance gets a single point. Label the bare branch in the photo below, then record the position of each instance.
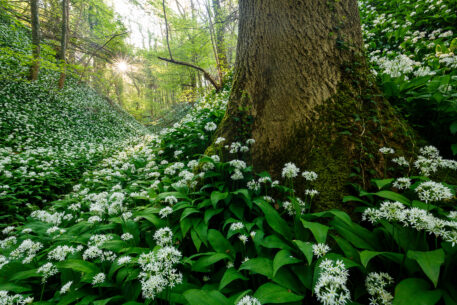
(205, 73)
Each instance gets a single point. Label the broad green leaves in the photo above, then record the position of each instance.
(276, 222)
(205, 297)
(79, 265)
(260, 265)
(430, 262)
(283, 258)
(319, 230)
(270, 293)
(415, 291)
(229, 276)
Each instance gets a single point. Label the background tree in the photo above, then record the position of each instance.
(302, 90)
(35, 22)
(64, 40)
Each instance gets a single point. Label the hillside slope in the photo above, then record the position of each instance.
(49, 137)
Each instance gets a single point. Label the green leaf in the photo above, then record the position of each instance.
(454, 149)
(79, 265)
(219, 243)
(319, 230)
(14, 288)
(415, 291)
(205, 297)
(275, 221)
(283, 258)
(217, 196)
(156, 221)
(106, 301)
(22, 275)
(380, 183)
(210, 213)
(366, 256)
(274, 242)
(393, 196)
(229, 276)
(353, 198)
(204, 262)
(270, 293)
(355, 234)
(453, 128)
(348, 250)
(188, 211)
(72, 296)
(260, 265)
(348, 263)
(430, 262)
(185, 224)
(196, 240)
(306, 248)
(246, 196)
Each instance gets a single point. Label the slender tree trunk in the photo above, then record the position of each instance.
(35, 67)
(64, 40)
(214, 43)
(303, 92)
(219, 25)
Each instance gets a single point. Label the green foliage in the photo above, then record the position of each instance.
(412, 48)
(154, 221)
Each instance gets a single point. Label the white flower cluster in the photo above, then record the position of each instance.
(331, 287)
(47, 270)
(320, 250)
(99, 278)
(126, 236)
(238, 164)
(164, 212)
(60, 253)
(157, 268)
(415, 218)
(376, 284)
(163, 236)
(248, 300)
(65, 288)
(291, 210)
(236, 226)
(431, 191)
(16, 299)
(398, 66)
(386, 150)
(124, 260)
(430, 161)
(3, 261)
(402, 183)
(28, 249)
(210, 126)
(171, 200)
(290, 170)
(171, 170)
(309, 175)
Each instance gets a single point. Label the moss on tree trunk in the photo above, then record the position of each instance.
(303, 91)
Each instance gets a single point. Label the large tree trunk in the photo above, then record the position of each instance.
(301, 79)
(64, 41)
(35, 67)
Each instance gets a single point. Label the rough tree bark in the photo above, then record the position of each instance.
(301, 79)
(64, 40)
(35, 67)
